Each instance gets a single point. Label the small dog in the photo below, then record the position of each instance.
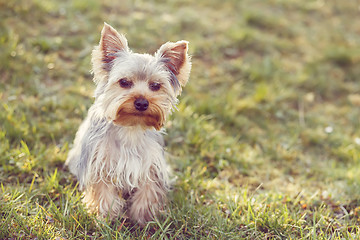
(118, 153)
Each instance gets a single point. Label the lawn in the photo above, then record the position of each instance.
(266, 140)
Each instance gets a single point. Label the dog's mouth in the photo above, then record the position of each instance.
(143, 119)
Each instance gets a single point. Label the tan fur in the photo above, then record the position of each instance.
(128, 116)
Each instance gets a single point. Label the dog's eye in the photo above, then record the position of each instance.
(154, 86)
(124, 83)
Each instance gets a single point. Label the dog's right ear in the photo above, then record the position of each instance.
(111, 43)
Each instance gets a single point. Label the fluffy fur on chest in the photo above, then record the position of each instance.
(121, 156)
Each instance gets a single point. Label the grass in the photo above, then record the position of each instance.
(266, 142)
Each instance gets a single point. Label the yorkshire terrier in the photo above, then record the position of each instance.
(118, 153)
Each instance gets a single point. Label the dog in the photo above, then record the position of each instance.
(118, 153)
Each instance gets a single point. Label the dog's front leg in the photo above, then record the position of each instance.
(147, 200)
(105, 199)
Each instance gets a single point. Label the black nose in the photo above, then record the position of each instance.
(141, 104)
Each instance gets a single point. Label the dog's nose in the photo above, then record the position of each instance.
(141, 104)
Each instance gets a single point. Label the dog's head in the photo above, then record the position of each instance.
(138, 89)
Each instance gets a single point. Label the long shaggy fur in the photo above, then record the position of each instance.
(118, 153)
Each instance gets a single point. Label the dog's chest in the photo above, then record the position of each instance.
(134, 145)
(131, 155)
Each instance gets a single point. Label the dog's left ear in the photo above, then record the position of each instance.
(176, 59)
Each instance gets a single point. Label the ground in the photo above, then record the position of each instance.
(266, 140)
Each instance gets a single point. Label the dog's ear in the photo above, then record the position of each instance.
(176, 59)
(111, 42)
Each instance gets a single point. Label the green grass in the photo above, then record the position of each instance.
(266, 142)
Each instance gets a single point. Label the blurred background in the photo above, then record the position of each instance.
(266, 141)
